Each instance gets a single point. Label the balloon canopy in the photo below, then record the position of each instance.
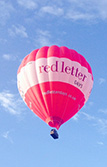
(55, 82)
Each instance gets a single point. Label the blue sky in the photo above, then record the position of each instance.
(29, 24)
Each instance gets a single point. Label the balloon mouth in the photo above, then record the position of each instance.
(55, 122)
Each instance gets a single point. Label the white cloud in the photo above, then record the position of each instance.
(9, 57)
(75, 117)
(75, 10)
(52, 10)
(100, 143)
(76, 15)
(28, 4)
(18, 31)
(43, 38)
(104, 111)
(91, 103)
(87, 116)
(83, 10)
(87, 10)
(88, 105)
(10, 103)
(6, 135)
(102, 8)
(6, 9)
(102, 124)
(3, 41)
(102, 81)
(99, 123)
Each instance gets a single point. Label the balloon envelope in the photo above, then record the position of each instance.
(55, 82)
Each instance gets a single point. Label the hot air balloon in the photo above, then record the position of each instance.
(55, 83)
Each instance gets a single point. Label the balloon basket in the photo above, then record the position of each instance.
(54, 133)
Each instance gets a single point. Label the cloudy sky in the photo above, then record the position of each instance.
(26, 25)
